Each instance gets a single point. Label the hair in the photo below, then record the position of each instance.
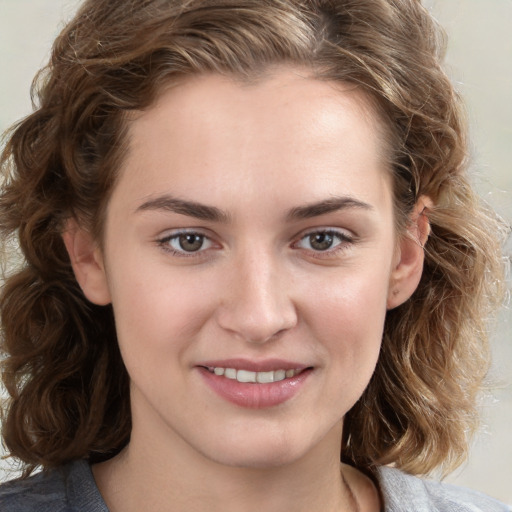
(68, 387)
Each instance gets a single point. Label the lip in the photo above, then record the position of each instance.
(267, 365)
(254, 395)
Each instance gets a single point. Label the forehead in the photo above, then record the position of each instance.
(211, 130)
(281, 90)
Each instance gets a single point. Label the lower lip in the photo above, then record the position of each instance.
(254, 395)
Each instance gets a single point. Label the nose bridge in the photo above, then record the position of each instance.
(257, 303)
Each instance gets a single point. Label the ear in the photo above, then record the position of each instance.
(87, 262)
(408, 264)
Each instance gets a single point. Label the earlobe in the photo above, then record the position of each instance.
(408, 265)
(87, 262)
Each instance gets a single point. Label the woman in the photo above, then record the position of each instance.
(250, 247)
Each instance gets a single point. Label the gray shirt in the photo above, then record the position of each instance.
(72, 489)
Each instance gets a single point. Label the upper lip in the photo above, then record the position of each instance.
(266, 365)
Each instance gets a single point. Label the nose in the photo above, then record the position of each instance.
(256, 305)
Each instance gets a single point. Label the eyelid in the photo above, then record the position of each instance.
(163, 242)
(346, 240)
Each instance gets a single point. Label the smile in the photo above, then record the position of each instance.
(255, 385)
(247, 376)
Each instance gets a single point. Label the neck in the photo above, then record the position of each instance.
(163, 472)
(146, 476)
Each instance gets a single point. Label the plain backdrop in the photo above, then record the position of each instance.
(479, 60)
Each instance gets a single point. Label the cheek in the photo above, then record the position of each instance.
(348, 315)
(349, 320)
(156, 310)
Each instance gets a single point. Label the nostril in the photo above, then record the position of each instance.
(257, 312)
(254, 328)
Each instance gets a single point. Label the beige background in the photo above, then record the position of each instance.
(480, 61)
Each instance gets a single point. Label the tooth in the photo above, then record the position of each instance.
(230, 373)
(279, 375)
(265, 377)
(260, 377)
(245, 376)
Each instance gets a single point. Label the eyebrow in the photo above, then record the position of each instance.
(330, 205)
(214, 214)
(188, 208)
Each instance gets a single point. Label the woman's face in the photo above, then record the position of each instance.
(250, 238)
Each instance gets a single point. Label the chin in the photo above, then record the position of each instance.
(262, 459)
(257, 452)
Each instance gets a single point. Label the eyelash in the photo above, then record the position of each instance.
(165, 244)
(344, 242)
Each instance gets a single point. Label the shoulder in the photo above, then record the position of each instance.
(70, 488)
(41, 492)
(405, 493)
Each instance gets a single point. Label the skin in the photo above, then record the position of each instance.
(256, 289)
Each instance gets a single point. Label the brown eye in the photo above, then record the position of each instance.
(327, 241)
(321, 241)
(186, 243)
(190, 242)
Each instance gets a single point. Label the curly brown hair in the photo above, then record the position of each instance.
(69, 390)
